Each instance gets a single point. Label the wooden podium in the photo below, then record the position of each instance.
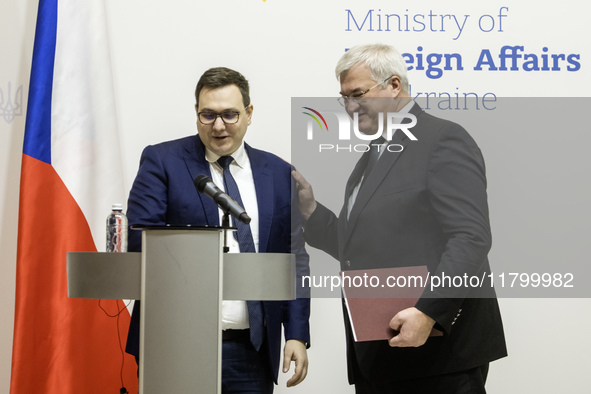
(181, 276)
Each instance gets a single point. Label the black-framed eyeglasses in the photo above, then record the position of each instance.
(358, 97)
(209, 117)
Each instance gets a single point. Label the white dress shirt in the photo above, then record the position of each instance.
(235, 313)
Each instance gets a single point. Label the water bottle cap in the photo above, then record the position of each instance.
(117, 207)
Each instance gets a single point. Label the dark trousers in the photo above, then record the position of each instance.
(244, 370)
(470, 381)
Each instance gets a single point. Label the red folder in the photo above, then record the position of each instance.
(374, 296)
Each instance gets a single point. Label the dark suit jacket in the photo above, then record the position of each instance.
(163, 193)
(424, 206)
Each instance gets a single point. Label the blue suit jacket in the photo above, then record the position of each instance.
(163, 193)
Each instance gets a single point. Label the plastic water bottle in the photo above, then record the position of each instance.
(117, 230)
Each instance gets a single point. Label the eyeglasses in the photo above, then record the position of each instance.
(228, 117)
(358, 97)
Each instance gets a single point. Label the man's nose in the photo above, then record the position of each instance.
(351, 105)
(218, 124)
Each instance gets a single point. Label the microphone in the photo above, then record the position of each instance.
(205, 185)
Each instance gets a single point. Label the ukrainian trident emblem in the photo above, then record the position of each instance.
(11, 106)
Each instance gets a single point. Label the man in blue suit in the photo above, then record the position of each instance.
(163, 193)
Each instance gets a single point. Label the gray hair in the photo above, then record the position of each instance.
(383, 61)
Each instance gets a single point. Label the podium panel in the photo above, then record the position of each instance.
(116, 276)
(181, 276)
(259, 276)
(181, 304)
(112, 276)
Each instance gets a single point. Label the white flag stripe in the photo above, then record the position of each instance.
(85, 141)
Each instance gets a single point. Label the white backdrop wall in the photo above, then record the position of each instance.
(17, 25)
(289, 49)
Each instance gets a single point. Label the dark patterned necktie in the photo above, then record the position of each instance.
(246, 243)
(374, 155)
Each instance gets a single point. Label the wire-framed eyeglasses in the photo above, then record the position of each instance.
(358, 97)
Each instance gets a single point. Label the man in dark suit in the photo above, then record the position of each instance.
(422, 205)
(163, 193)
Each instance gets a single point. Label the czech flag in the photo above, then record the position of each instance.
(71, 175)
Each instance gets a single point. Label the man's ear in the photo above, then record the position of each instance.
(249, 112)
(396, 85)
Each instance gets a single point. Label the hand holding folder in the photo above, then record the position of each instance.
(376, 301)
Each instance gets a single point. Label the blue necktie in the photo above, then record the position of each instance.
(246, 243)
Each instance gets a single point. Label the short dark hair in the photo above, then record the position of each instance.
(218, 77)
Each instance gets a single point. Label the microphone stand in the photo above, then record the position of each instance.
(226, 227)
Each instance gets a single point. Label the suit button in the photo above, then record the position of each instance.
(348, 263)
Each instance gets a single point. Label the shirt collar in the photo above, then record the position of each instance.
(239, 156)
(403, 110)
(407, 107)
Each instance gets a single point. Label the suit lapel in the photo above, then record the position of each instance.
(198, 165)
(263, 183)
(356, 175)
(353, 180)
(376, 177)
